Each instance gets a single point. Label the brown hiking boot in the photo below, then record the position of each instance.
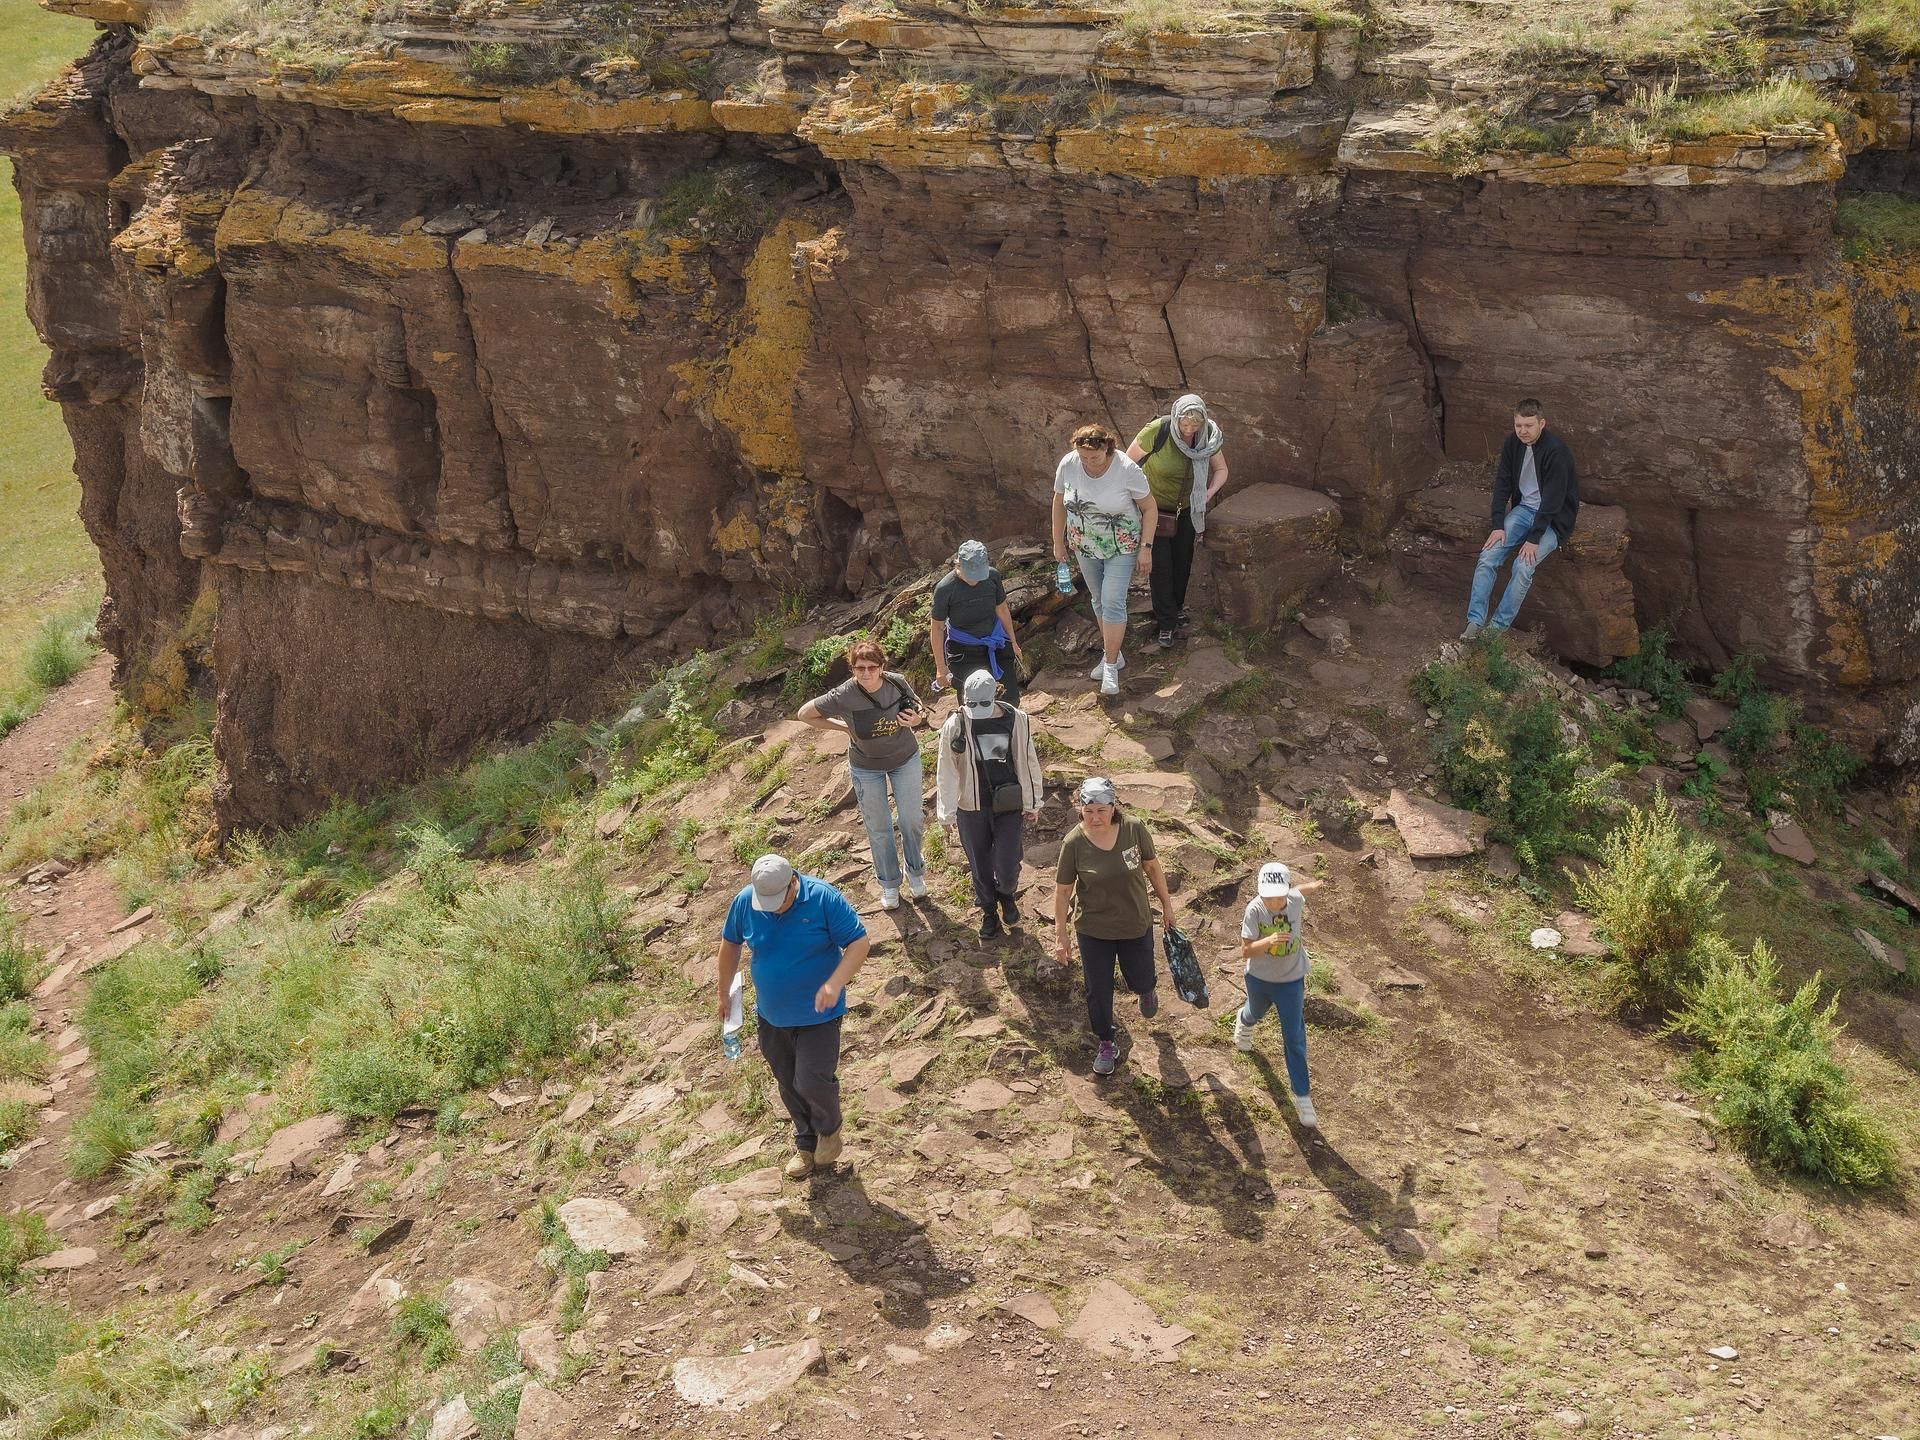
(800, 1165)
(827, 1147)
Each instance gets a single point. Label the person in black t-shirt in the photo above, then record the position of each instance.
(972, 628)
(987, 782)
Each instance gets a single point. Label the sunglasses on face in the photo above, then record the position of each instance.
(1091, 445)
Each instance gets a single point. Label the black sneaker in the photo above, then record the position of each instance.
(1009, 911)
(1166, 639)
(1149, 1004)
(990, 927)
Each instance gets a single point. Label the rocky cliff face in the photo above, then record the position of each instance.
(465, 393)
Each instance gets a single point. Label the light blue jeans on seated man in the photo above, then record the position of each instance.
(1107, 582)
(870, 792)
(1287, 999)
(1519, 522)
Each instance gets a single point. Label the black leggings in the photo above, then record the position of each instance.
(1097, 959)
(1172, 568)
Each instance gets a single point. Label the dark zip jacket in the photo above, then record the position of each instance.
(1559, 485)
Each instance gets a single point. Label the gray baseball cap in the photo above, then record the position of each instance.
(772, 874)
(978, 695)
(1097, 790)
(971, 557)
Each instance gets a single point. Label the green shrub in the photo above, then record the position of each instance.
(1655, 894)
(1653, 670)
(22, 1056)
(18, 962)
(424, 1322)
(1786, 761)
(33, 1338)
(1501, 751)
(1769, 1066)
(23, 1237)
(58, 651)
(110, 1131)
(806, 679)
(17, 1121)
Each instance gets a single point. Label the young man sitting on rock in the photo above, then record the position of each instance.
(806, 943)
(1536, 496)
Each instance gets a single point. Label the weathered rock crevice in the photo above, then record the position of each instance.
(582, 372)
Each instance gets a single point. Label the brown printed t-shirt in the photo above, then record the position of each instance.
(880, 741)
(1110, 886)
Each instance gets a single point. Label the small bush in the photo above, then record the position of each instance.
(23, 1237)
(33, 1338)
(1769, 1066)
(424, 1322)
(18, 962)
(1655, 893)
(1786, 761)
(16, 1123)
(22, 1056)
(1653, 670)
(110, 1131)
(58, 651)
(805, 680)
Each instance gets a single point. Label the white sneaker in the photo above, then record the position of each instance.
(1242, 1036)
(1109, 680)
(1119, 664)
(889, 898)
(1303, 1107)
(917, 885)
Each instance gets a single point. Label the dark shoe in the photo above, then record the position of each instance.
(990, 927)
(1009, 911)
(1166, 639)
(1149, 1004)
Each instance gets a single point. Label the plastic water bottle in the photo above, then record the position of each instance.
(1063, 578)
(736, 1018)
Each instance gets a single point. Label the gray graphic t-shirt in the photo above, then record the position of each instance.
(1289, 962)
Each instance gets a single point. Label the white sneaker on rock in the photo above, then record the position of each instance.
(1242, 1036)
(1119, 664)
(1109, 680)
(889, 898)
(917, 885)
(1303, 1107)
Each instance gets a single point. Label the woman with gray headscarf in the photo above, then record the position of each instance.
(1182, 455)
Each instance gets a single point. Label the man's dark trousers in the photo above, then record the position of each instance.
(805, 1059)
(993, 844)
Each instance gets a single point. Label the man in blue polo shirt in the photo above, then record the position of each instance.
(806, 943)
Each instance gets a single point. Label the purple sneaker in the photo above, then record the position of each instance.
(1105, 1058)
(1149, 1004)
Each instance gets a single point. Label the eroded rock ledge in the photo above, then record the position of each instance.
(553, 376)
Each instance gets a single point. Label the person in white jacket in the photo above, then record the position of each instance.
(988, 782)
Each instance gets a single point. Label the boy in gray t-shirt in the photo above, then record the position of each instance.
(1276, 974)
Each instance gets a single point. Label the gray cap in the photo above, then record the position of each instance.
(971, 557)
(1097, 790)
(978, 695)
(772, 874)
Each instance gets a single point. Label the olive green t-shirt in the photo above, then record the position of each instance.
(1110, 886)
(1169, 473)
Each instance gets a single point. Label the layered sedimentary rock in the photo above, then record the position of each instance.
(525, 380)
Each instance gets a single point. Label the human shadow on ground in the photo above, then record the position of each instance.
(1169, 1106)
(1385, 1217)
(876, 1245)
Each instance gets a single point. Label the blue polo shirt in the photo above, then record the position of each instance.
(794, 953)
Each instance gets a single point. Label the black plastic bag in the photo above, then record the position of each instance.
(1188, 983)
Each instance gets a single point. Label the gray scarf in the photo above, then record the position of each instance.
(1201, 452)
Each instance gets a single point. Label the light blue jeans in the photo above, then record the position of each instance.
(1487, 570)
(1288, 1000)
(870, 792)
(1107, 582)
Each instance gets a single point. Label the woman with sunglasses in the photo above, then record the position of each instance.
(1102, 505)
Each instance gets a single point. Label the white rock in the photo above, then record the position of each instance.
(604, 1225)
(1724, 1352)
(733, 1382)
(453, 1421)
(538, 1347)
(1545, 938)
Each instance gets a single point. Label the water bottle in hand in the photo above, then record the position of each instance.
(1063, 578)
(736, 1018)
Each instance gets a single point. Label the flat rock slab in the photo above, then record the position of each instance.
(978, 1097)
(1207, 672)
(544, 1415)
(604, 1225)
(478, 1309)
(1709, 717)
(905, 1067)
(1116, 1323)
(294, 1146)
(1577, 937)
(1433, 831)
(72, 1259)
(735, 1382)
(675, 1279)
(1787, 1231)
(1161, 792)
(1788, 839)
(453, 1421)
(1890, 957)
(647, 1101)
(1034, 1308)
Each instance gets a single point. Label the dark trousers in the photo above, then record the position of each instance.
(805, 1059)
(963, 660)
(1097, 959)
(994, 846)
(1172, 568)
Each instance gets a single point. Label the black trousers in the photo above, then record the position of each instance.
(994, 846)
(963, 660)
(1097, 959)
(805, 1060)
(1172, 568)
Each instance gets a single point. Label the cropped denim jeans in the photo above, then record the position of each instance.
(870, 789)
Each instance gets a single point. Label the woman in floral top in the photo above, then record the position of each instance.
(1102, 505)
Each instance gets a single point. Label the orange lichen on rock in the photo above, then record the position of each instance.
(754, 398)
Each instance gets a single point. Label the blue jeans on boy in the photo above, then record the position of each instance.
(870, 792)
(1107, 582)
(1487, 570)
(1288, 999)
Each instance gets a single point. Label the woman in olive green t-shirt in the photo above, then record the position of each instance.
(1106, 864)
(1186, 466)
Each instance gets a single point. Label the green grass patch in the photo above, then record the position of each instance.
(1879, 225)
(423, 1323)
(1653, 670)
(1888, 27)
(23, 1236)
(731, 203)
(1786, 761)
(19, 962)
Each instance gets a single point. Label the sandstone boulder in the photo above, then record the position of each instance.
(1580, 591)
(734, 1382)
(1271, 545)
(543, 1415)
(1433, 831)
(293, 1147)
(478, 1309)
(1205, 674)
(604, 1225)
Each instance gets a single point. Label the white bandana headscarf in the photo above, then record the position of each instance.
(1200, 452)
